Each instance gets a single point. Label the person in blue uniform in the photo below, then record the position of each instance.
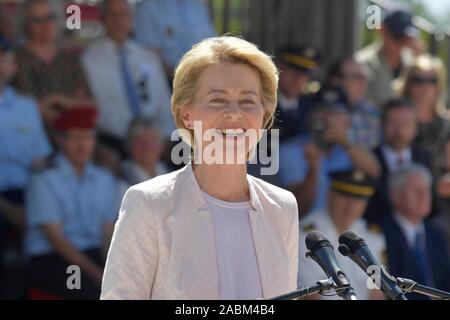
(294, 100)
(71, 210)
(22, 138)
(23, 144)
(297, 65)
(347, 198)
(416, 246)
(307, 160)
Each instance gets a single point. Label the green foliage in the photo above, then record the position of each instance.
(236, 15)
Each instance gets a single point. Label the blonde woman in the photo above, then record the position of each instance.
(210, 230)
(425, 85)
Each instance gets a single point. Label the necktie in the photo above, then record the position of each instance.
(425, 273)
(133, 98)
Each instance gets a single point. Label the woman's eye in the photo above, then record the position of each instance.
(248, 103)
(218, 100)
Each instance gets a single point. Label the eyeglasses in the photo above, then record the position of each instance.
(41, 20)
(418, 80)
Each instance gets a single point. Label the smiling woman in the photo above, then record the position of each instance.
(210, 230)
(228, 107)
(221, 53)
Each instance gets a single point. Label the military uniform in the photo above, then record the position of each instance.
(355, 184)
(291, 114)
(309, 272)
(23, 142)
(291, 118)
(82, 204)
(294, 166)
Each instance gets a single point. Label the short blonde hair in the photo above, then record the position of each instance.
(213, 51)
(426, 63)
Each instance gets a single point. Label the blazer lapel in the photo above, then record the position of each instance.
(269, 255)
(193, 247)
(192, 230)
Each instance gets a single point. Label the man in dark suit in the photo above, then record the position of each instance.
(396, 151)
(416, 247)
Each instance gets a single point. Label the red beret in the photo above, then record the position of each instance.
(76, 118)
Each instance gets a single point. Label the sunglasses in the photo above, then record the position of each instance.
(424, 80)
(40, 20)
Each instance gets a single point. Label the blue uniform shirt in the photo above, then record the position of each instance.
(294, 166)
(83, 205)
(22, 139)
(172, 26)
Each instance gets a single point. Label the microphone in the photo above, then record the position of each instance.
(321, 251)
(353, 246)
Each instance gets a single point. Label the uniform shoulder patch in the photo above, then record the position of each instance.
(309, 227)
(374, 228)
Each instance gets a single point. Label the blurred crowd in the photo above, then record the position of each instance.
(365, 148)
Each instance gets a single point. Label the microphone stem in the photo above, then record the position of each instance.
(349, 295)
(408, 285)
(319, 287)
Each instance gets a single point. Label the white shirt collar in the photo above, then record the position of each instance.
(409, 229)
(113, 45)
(285, 103)
(391, 156)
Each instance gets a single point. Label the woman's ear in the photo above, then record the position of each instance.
(185, 114)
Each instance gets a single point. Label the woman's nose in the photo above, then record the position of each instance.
(232, 111)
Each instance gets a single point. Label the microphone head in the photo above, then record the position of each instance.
(351, 241)
(344, 250)
(315, 240)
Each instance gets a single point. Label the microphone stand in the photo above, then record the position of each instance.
(349, 294)
(320, 287)
(409, 286)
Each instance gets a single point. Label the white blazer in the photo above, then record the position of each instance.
(163, 244)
